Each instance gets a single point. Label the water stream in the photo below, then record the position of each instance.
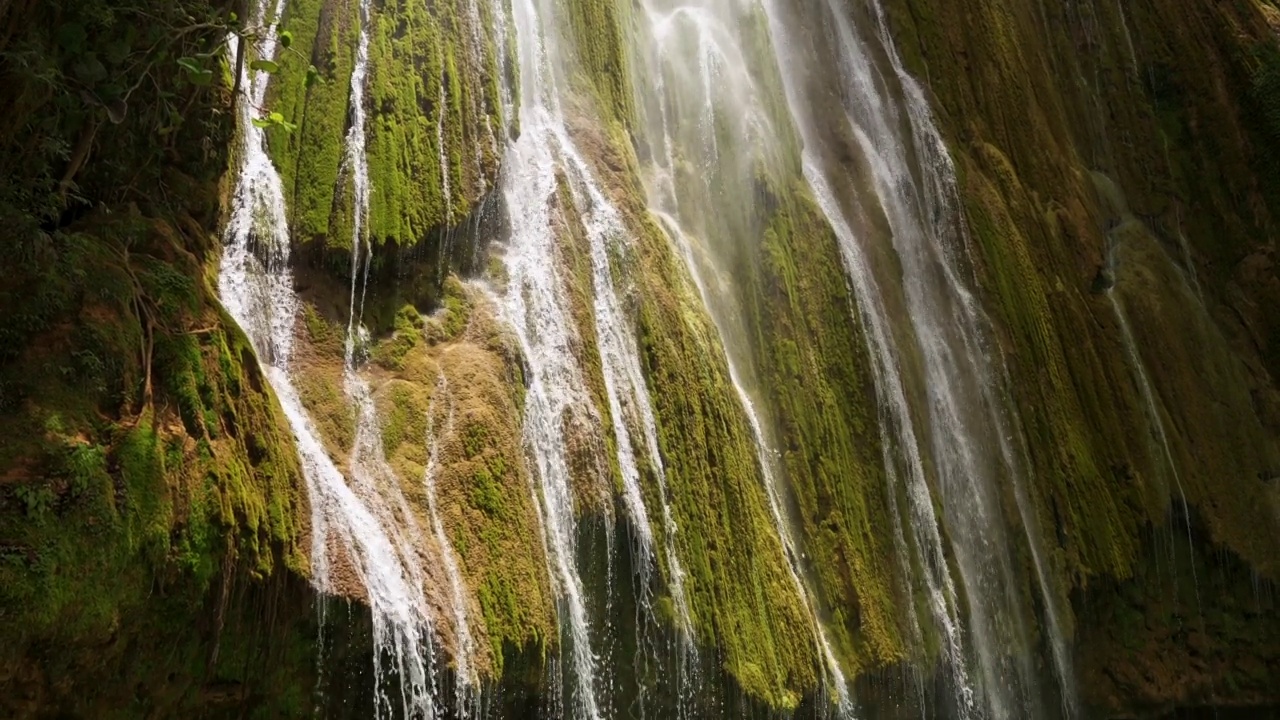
(356, 548)
(465, 697)
(705, 109)
(939, 392)
(1156, 420)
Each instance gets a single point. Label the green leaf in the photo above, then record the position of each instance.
(276, 117)
(204, 77)
(261, 123)
(191, 65)
(286, 38)
(117, 52)
(313, 76)
(266, 66)
(90, 69)
(72, 37)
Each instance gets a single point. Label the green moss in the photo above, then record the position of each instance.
(309, 158)
(428, 98)
(488, 511)
(741, 598)
(817, 372)
(320, 389)
(163, 475)
(599, 30)
(405, 420)
(391, 353)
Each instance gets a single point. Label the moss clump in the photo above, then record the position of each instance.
(452, 380)
(485, 496)
(598, 30)
(309, 159)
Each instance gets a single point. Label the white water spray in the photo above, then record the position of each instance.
(912, 181)
(256, 286)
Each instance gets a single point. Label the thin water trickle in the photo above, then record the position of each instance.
(1156, 420)
(465, 697)
(895, 414)
(445, 188)
(412, 653)
(1128, 38)
(625, 386)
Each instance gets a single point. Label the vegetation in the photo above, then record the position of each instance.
(433, 125)
(147, 478)
(148, 484)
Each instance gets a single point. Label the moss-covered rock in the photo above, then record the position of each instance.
(1163, 102)
(152, 474)
(433, 125)
(455, 363)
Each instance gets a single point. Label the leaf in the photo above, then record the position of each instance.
(266, 66)
(117, 52)
(313, 76)
(277, 117)
(204, 77)
(116, 111)
(191, 65)
(262, 123)
(90, 69)
(286, 38)
(72, 37)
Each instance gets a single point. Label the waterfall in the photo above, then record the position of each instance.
(350, 520)
(766, 457)
(535, 304)
(445, 188)
(536, 307)
(959, 421)
(950, 445)
(694, 59)
(411, 646)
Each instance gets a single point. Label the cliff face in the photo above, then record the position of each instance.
(1114, 171)
(1115, 205)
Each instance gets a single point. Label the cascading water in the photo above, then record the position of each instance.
(1128, 225)
(536, 306)
(694, 60)
(955, 415)
(947, 433)
(413, 655)
(1149, 404)
(349, 521)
